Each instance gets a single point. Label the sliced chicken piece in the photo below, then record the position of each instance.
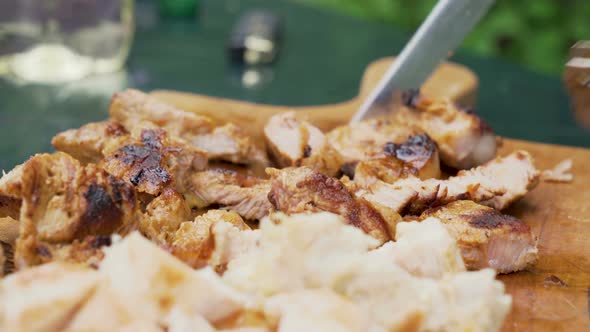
(243, 194)
(293, 143)
(130, 107)
(154, 161)
(424, 249)
(228, 142)
(464, 139)
(89, 142)
(296, 190)
(44, 298)
(486, 237)
(418, 156)
(496, 184)
(67, 207)
(356, 141)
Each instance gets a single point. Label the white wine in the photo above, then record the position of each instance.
(64, 40)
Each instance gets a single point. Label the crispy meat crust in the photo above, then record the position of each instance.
(228, 142)
(355, 141)
(497, 184)
(418, 156)
(486, 237)
(65, 203)
(154, 162)
(464, 139)
(296, 190)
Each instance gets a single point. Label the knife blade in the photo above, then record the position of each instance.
(443, 30)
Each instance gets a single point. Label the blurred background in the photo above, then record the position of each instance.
(536, 34)
(61, 60)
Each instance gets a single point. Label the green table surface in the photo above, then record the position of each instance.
(321, 62)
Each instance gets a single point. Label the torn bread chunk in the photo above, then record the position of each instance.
(243, 194)
(303, 254)
(44, 298)
(497, 184)
(68, 208)
(417, 156)
(296, 190)
(228, 142)
(486, 237)
(424, 249)
(316, 310)
(137, 271)
(464, 139)
(293, 142)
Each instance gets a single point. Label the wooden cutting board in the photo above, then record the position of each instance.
(553, 295)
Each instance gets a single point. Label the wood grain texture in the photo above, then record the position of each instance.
(554, 294)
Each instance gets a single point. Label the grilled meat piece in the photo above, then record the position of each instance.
(195, 241)
(228, 142)
(486, 237)
(497, 183)
(294, 143)
(354, 142)
(154, 162)
(163, 215)
(243, 194)
(464, 139)
(147, 157)
(64, 202)
(130, 107)
(89, 142)
(418, 156)
(296, 190)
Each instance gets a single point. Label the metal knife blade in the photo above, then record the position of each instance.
(443, 30)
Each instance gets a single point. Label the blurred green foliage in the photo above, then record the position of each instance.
(534, 33)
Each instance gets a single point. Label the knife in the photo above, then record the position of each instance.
(443, 30)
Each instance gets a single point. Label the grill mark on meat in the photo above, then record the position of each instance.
(306, 151)
(102, 214)
(348, 169)
(414, 147)
(302, 189)
(490, 219)
(100, 241)
(145, 161)
(43, 251)
(410, 97)
(115, 129)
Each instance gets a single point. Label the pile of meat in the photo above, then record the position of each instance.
(186, 183)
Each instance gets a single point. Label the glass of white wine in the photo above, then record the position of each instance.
(49, 41)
